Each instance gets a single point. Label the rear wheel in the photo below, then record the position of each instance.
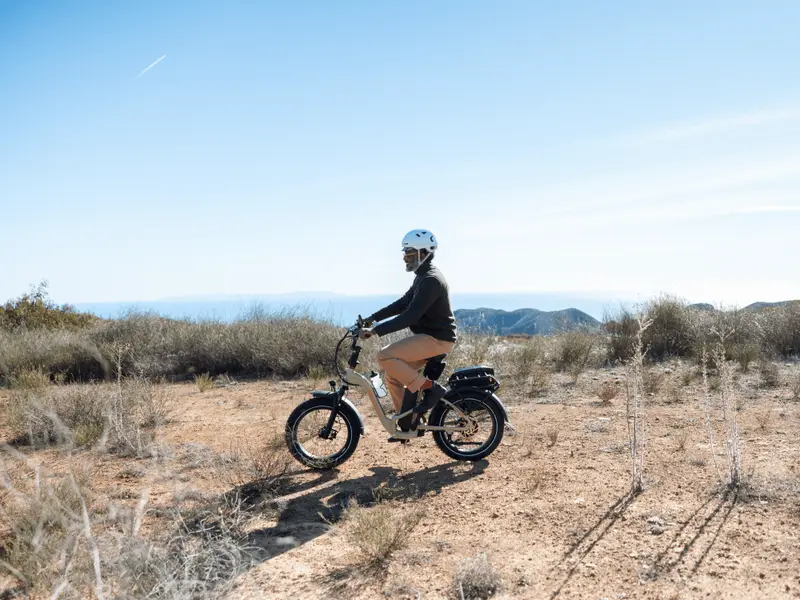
(483, 418)
(311, 445)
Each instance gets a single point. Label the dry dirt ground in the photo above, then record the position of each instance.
(550, 508)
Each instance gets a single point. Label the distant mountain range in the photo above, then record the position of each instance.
(530, 321)
(526, 321)
(753, 306)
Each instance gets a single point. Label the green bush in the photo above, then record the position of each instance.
(35, 310)
(780, 327)
(672, 332)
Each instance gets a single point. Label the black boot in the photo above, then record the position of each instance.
(409, 400)
(430, 398)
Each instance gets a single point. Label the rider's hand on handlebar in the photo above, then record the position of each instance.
(367, 333)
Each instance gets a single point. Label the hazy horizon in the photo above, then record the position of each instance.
(343, 309)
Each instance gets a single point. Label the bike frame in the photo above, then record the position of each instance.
(356, 379)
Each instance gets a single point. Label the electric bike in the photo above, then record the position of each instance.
(467, 423)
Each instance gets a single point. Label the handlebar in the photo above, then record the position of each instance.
(355, 350)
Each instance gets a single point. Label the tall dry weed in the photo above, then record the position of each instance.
(635, 407)
(726, 404)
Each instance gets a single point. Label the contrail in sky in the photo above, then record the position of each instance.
(153, 64)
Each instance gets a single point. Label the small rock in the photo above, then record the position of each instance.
(655, 526)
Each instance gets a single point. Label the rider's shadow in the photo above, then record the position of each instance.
(308, 516)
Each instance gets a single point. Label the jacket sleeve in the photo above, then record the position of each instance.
(395, 308)
(428, 292)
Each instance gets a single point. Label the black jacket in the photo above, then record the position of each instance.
(425, 308)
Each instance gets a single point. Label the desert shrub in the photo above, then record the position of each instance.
(671, 331)
(621, 339)
(116, 417)
(770, 375)
(379, 531)
(67, 355)
(573, 349)
(475, 579)
(538, 381)
(607, 391)
(248, 465)
(35, 379)
(526, 357)
(59, 540)
(652, 381)
(780, 327)
(286, 344)
(35, 310)
(42, 534)
(745, 353)
(796, 388)
(473, 349)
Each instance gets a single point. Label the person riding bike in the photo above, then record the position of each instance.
(425, 310)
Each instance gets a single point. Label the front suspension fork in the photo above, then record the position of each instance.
(326, 431)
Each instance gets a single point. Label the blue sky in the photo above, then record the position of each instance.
(624, 147)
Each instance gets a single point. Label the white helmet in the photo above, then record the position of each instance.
(413, 243)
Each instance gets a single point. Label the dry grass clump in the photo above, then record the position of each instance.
(118, 418)
(652, 381)
(763, 419)
(204, 382)
(795, 387)
(60, 538)
(552, 436)
(526, 363)
(524, 358)
(538, 382)
(46, 533)
(34, 379)
(379, 531)
(475, 579)
(681, 439)
(607, 391)
(254, 469)
(573, 351)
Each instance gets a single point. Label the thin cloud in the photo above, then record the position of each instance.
(153, 64)
(712, 126)
(749, 210)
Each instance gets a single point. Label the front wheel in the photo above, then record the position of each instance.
(485, 423)
(311, 445)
